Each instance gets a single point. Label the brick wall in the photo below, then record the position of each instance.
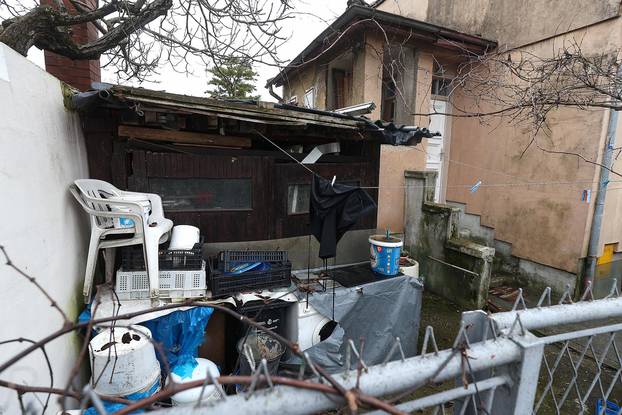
(78, 74)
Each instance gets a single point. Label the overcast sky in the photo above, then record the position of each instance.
(312, 17)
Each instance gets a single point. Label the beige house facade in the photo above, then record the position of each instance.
(535, 207)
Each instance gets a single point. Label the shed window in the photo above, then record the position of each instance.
(202, 194)
(298, 196)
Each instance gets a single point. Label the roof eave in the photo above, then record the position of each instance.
(357, 12)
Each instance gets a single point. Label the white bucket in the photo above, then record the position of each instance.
(411, 269)
(184, 237)
(136, 367)
(191, 396)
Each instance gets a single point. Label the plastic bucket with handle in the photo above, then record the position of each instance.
(385, 254)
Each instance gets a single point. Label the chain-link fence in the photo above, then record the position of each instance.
(559, 358)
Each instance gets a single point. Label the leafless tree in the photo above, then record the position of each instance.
(524, 88)
(518, 87)
(527, 87)
(136, 37)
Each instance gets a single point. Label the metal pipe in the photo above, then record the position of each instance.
(599, 208)
(454, 266)
(562, 337)
(449, 395)
(539, 318)
(380, 380)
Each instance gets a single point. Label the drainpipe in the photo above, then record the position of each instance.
(269, 85)
(597, 219)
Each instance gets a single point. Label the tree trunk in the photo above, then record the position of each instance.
(23, 32)
(48, 29)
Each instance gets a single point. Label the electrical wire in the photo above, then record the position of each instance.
(457, 186)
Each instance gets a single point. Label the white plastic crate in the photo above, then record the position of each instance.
(134, 285)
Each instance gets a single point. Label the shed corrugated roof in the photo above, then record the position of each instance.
(250, 111)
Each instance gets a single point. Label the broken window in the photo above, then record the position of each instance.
(202, 194)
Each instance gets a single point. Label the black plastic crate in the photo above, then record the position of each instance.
(279, 275)
(227, 259)
(132, 258)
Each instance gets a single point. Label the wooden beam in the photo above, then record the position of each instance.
(184, 137)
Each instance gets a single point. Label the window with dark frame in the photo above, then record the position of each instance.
(441, 86)
(203, 194)
(299, 196)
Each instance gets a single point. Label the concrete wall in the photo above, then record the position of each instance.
(394, 161)
(456, 268)
(511, 23)
(611, 231)
(302, 251)
(41, 152)
(545, 223)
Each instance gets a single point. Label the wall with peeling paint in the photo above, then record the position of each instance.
(547, 222)
(41, 152)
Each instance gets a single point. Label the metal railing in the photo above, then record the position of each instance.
(549, 359)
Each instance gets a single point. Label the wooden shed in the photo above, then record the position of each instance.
(228, 167)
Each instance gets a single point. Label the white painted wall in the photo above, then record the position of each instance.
(41, 152)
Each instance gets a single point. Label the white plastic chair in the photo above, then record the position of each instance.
(104, 202)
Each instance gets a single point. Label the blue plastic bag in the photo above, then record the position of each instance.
(180, 334)
(112, 407)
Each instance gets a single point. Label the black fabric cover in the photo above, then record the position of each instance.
(403, 135)
(334, 210)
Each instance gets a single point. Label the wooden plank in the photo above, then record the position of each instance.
(275, 114)
(184, 137)
(139, 181)
(118, 165)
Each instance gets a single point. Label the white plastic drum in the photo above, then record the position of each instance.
(310, 325)
(136, 367)
(191, 396)
(184, 237)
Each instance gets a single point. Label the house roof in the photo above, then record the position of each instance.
(436, 34)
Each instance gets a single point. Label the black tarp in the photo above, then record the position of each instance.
(334, 209)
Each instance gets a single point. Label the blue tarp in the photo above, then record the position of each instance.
(112, 407)
(180, 333)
